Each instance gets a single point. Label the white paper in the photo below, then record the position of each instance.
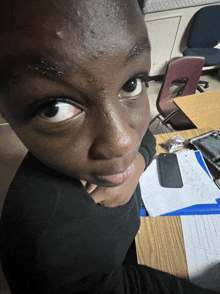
(197, 187)
(201, 235)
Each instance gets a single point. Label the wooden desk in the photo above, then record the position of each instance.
(160, 243)
(202, 109)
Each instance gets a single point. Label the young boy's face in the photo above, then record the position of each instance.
(77, 96)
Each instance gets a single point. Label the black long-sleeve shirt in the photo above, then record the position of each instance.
(57, 240)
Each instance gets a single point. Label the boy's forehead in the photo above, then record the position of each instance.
(63, 12)
(96, 26)
(69, 32)
(93, 23)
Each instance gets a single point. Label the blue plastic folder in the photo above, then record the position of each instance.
(202, 162)
(198, 209)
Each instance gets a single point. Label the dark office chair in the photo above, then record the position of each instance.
(204, 35)
(189, 70)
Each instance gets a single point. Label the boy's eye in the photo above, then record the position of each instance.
(59, 111)
(132, 88)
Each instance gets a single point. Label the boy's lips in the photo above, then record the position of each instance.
(118, 179)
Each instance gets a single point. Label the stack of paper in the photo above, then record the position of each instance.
(199, 195)
(201, 235)
(197, 188)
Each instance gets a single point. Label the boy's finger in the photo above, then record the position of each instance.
(83, 182)
(90, 187)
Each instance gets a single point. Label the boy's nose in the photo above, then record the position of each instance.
(115, 138)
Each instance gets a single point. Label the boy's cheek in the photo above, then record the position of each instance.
(142, 115)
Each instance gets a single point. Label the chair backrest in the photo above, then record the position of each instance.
(188, 69)
(205, 28)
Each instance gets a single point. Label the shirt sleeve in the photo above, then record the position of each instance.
(90, 274)
(148, 147)
(53, 248)
(134, 279)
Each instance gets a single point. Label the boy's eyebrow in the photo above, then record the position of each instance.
(141, 46)
(28, 62)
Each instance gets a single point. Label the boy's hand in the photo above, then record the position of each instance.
(118, 196)
(89, 187)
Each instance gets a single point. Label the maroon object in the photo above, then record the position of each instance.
(185, 70)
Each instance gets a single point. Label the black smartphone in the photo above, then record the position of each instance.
(169, 171)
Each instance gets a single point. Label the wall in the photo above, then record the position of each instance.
(161, 5)
(168, 31)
